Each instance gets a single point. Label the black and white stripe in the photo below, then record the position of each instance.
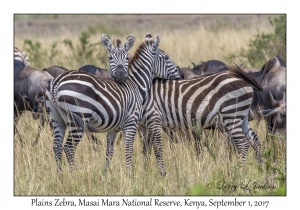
(79, 101)
(200, 103)
(21, 56)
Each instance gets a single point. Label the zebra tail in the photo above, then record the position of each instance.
(239, 73)
(79, 122)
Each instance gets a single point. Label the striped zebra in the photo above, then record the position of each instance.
(79, 101)
(203, 102)
(21, 56)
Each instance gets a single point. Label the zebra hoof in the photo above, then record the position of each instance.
(163, 173)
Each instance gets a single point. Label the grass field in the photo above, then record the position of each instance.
(185, 38)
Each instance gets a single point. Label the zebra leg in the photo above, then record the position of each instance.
(170, 135)
(147, 143)
(253, 139)
(74, 137)
(198, 146)
(110, 138)
(129, 132)
(92, 139)
(155, 135)
(59, 129)
(238, 137)
(147, 146)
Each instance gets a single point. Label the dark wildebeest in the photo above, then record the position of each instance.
(27, 84)
(97, 71)
(54, 71)
(270, 104)
(204, 69)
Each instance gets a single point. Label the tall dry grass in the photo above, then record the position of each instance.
(185, 39)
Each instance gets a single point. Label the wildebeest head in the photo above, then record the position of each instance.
(209, 67)
(276, 115)
(118, 57)
(96, 71)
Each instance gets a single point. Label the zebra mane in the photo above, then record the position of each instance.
(138, 50)
(239, 73)
(118, 43)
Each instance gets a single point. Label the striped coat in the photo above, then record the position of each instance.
(200, 103)
(79, 101)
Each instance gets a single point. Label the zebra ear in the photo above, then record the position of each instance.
(156, 43)
(129, 42)
(106, 42)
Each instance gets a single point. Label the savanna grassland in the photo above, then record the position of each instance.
(72, 41)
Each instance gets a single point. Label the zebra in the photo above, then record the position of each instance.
(79, 101)
(21, 56)
(202, 102)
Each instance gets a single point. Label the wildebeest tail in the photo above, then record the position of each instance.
(239, 73)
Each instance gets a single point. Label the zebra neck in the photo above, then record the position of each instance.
(142, 77)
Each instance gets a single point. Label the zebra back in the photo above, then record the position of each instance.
(21, 56)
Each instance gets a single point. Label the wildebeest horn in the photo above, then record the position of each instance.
(202, 73)
(268, 112)
(241, 65)
(273, 102)
(193, 64)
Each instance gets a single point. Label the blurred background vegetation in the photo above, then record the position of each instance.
(75, 40)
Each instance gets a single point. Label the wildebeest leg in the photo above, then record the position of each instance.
(16, 130)
(40, 126)
(110, 139)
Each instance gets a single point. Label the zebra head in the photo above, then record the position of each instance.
(118, 57)
(164, 67)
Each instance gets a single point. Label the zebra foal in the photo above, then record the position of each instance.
(79, 101)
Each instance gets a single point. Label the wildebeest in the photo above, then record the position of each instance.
(204, 69)
(97, 71)
(270, 104)
(54, 71)
(209, 67)
(27, 84)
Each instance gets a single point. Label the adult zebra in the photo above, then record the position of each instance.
(79, 101)
(21, 56)
(202, 102)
